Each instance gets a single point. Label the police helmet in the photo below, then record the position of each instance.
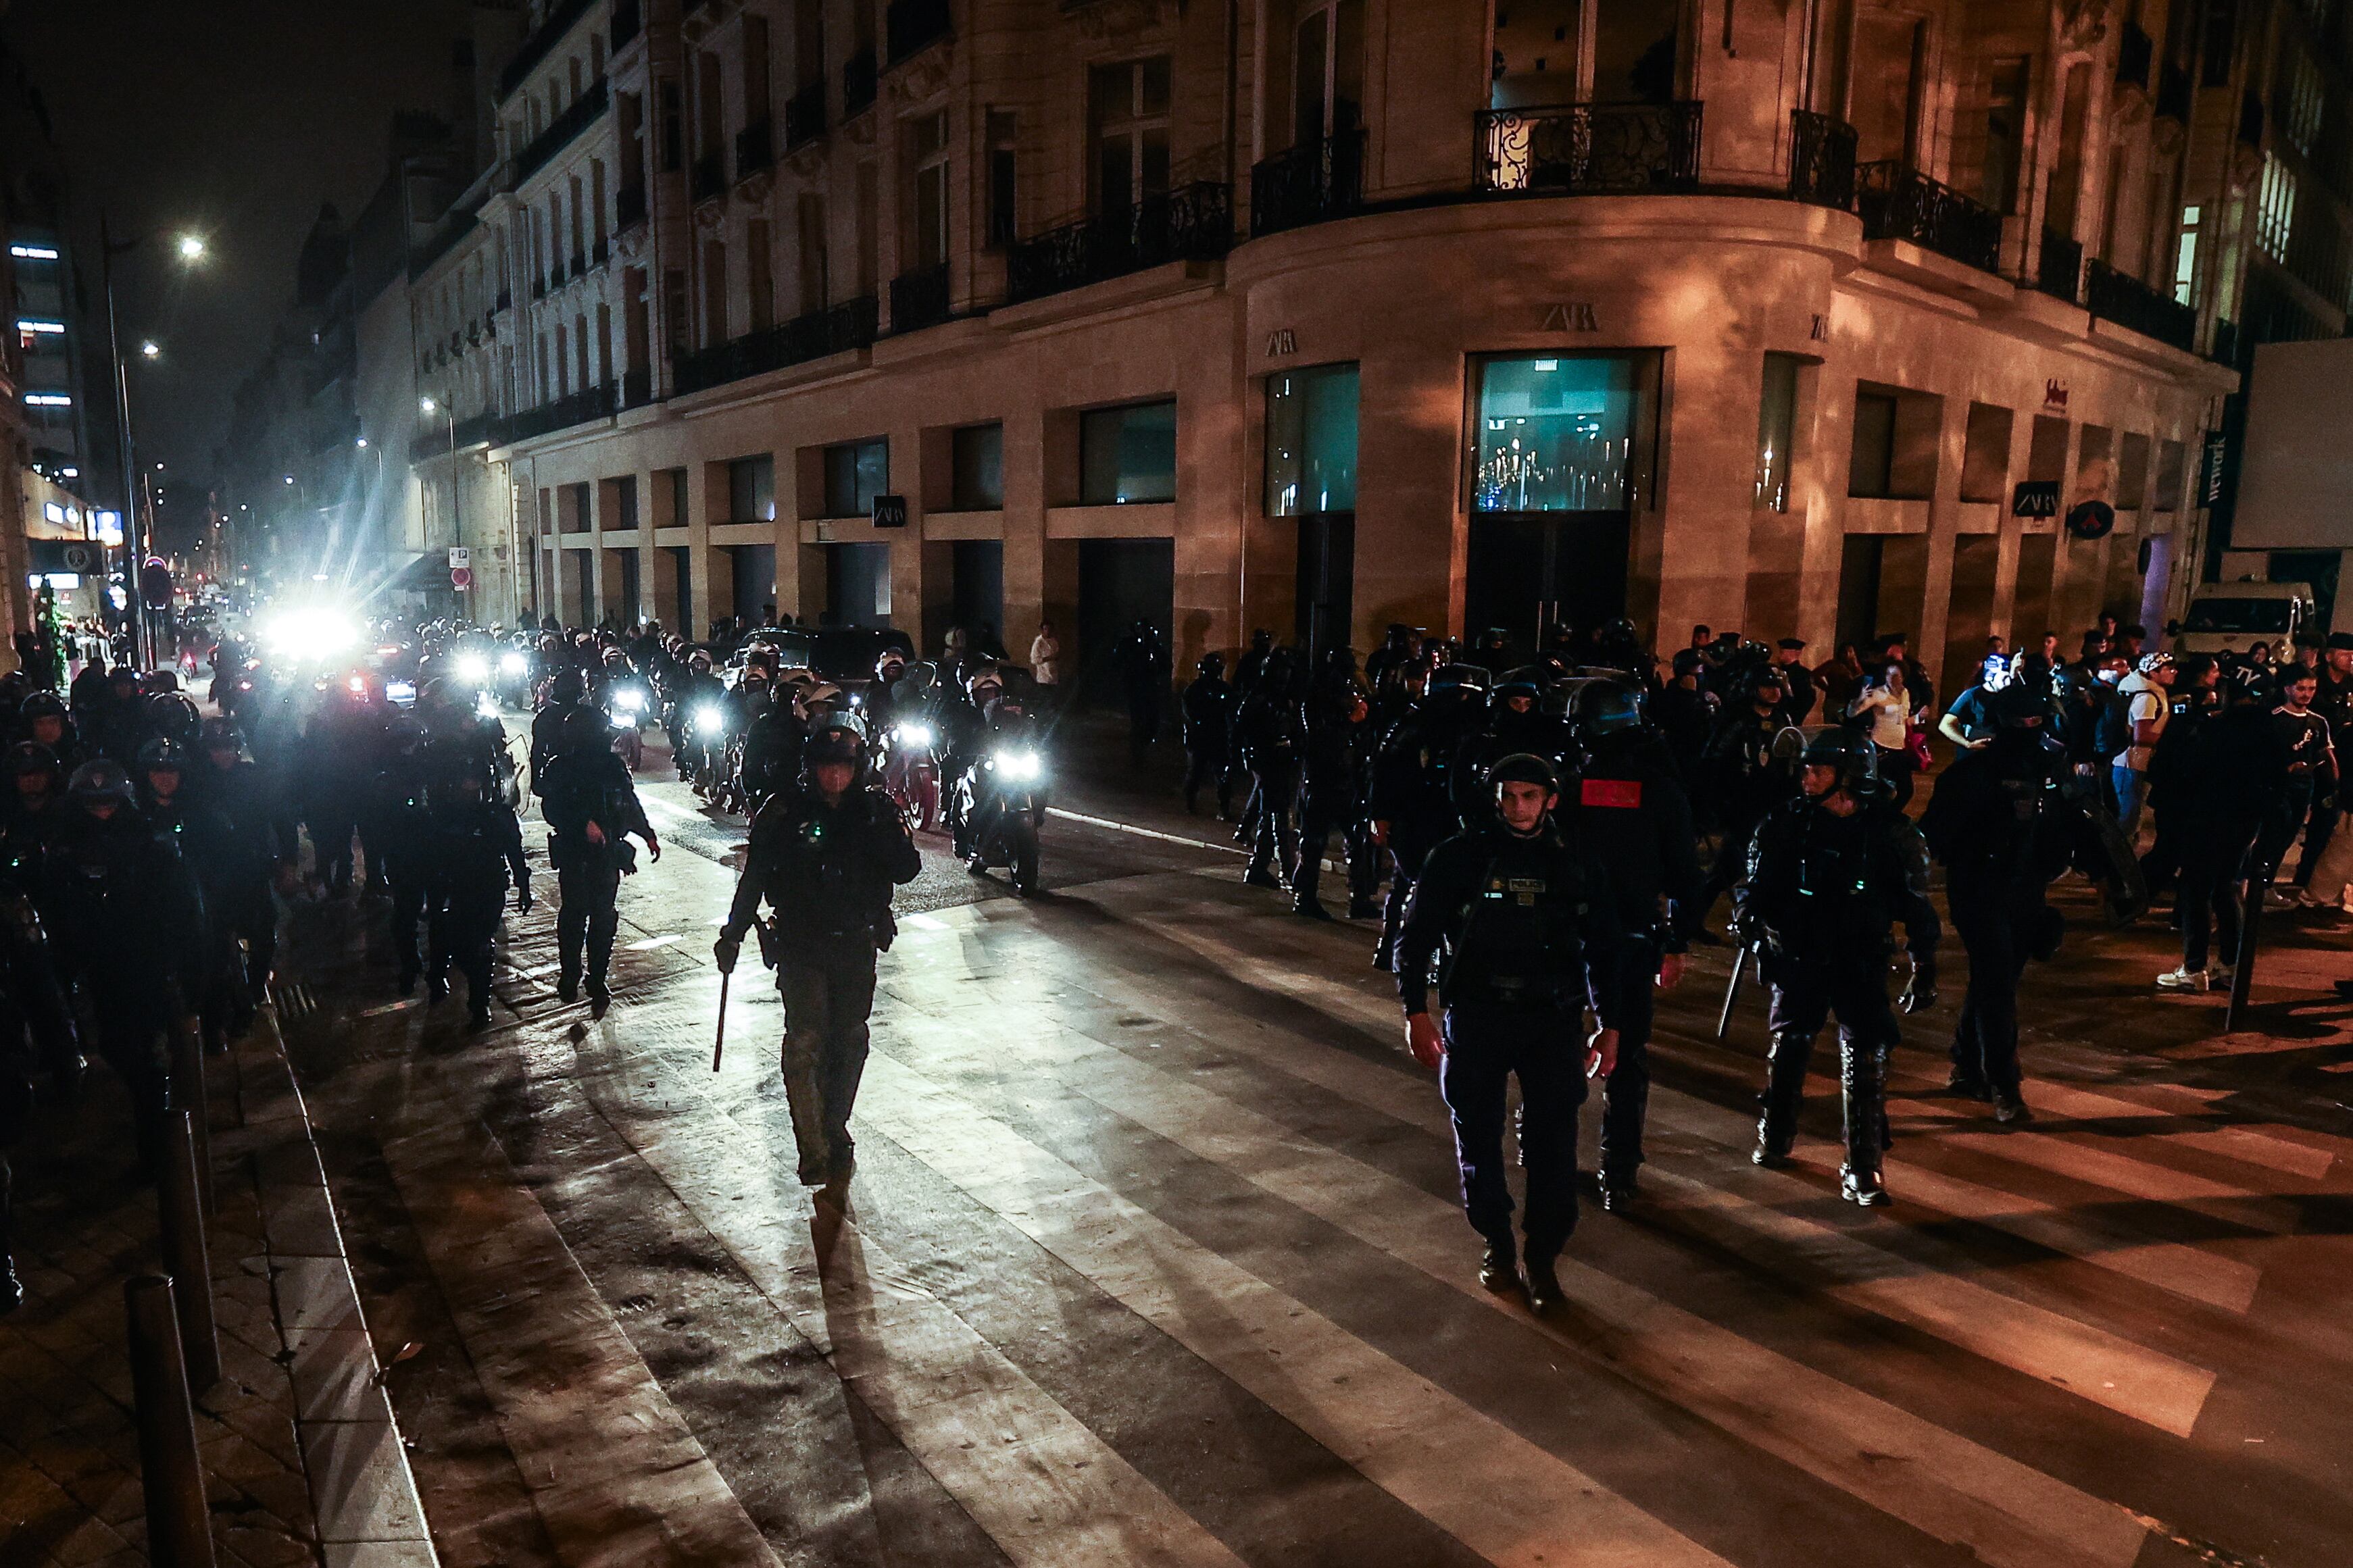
(581, 730)
(985, 674)
(222, 735)
(174, 715)
(1855, 757)
(1524, 767)
(892, 657)
(1527, 681)
(836, 738)
(122, 674)
(1464, 679)
(32, 757)
(162, 754)
(43, 705)
(1606, 707)
(15, 687)
(1212, 665)
(566, 686)
(405, 734)
(100, 781)
(1690, 661)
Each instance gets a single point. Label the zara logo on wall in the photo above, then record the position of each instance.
(1571, 316)
(1280, 341)
(2054, 394)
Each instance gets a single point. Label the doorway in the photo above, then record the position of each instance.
(1326, 582)
(1530, 571)
(856, 585)
(1121, 582)
(976, 590)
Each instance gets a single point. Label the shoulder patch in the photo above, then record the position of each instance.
(1619, 794)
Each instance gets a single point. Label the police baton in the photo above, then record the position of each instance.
(719, 1043)
(1731, 993)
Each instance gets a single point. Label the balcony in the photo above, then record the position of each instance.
(920, 299)
(755, 152)
(628, 21)
(857, 82)
(804, 115)
(637, 388)
(1821, 159)
(2058, 271)
(555, 277)
(594, 403)
(629, 207)
(505, 301)
(811, 337)
(1589, 148)
(1193, 222)
(600, 253)
(1313, 181)
(1900, 203)
(2121, 298)
(584, 111)
(708, 180)
(2133, 52)
(911, 26)
(538, 287)
(542, 42)
(439, 440)
(580, 264)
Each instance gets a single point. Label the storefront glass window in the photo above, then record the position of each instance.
(1128, 455)
(1776, 427)
(855, 473)
(1311, 441)
(1555, 433)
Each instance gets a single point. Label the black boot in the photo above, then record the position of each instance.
(568, 986)
(2009, 1108)
(1499, 1270)
(599, 998)
(1863, 1079)
(1785, 1089)
(1617, 1191)
(11, 1292)
(1545, 1295)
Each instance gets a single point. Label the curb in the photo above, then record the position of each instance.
(1338, 868)
(363, 1493)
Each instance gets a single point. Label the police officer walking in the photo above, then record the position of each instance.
(36, 1029)
(1526, 932)
(1208, 710)
(473, 850)
(825, 856)
(1273, 742)
(1828, 872)
(591, 804)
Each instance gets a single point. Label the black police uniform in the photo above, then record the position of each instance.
(37, 1030)
(473, 852)
(1526, 928)
(1412, 792)
(827, 871)
(2002, 825)
(2223, 776)
(1632, 815)
(1745, 782)
(1821, 894)
(198, 835)
(1272, 744)
(1207, 709)
(397, 806)
(585, 784)
(1336, 769)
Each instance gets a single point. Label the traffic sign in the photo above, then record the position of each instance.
(459, 558)
(156, 584)
(461, 576)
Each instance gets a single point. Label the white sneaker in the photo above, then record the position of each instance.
(2182, 980)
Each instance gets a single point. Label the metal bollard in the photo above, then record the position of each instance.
(179, 1519)
(190, 1094)
(186, 1253)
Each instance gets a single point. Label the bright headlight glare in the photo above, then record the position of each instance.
(513, 664)
(474, 668)
(486, 705)
(709, 720)
(629, 699)
(1019, 764)
(399, 691)
(914, 734)
(313, 633)
(621, 721)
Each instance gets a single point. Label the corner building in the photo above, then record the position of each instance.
(1794, 319)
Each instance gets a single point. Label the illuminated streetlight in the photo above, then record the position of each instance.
(192, 247)
(361, 443)
(426, 405)
(151, 348)
(289, 478)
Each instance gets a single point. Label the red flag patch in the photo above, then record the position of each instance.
(1623, 794)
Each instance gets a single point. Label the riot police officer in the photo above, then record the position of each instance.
(567, 691)
(591, 804)
(1629, 813)
(825, 856)
(1526, 930)
(1337, 767)
(46, 723)
(1746, 775)
(472, 852)
(36, 1029)
(1828, 872)
(1208, 710)
(260, 848)
(397, 806)
(1412, 798)
(1270, 740)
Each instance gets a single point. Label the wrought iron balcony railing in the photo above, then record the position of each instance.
(1312, 182)
(1898, 201)
(2121, 298)
(911, 26)
(756, 149)
(591, 403)
(1622, 148)
(583, 112)
(1821, 159)
(2059, 268)
(833, 331)
(920, 299)
(804, 115)
(637, 388)
(1192, 223)
(542, 41)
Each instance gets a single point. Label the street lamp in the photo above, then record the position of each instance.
(150, 349)
(136, 537)
(429, 407)
(192, 247)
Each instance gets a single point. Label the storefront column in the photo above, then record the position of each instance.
(1029, 595)
(1944, 528)
(1709, 454)
(1411, 541)
(1818, 488)
(2076, 573)
(658, 586)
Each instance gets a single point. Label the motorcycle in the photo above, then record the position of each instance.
(911, 758)
(707, 746)
(1002, 796)
(626, 703)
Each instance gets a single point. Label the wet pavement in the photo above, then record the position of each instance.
(1153, 1257)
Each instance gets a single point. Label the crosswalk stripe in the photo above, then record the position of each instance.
(1942, 1484)
(617, 1476)
(1501, 1495)
(2245, 1145)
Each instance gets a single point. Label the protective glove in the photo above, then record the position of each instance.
(724, 951)
(1422, 1040)
(1601, 1054)
(1920, 990)
(523, 897)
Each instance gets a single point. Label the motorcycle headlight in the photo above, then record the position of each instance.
(914, 734)
(1020, 764)
(709, 720)
(620, 720)
(486, 706)
(630, 701)
(395, 691)
(513, 664)
(474, 668)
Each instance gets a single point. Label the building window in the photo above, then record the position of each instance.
(2185, 258)
(1127, 130)
(673, 119)
(2005, 130)
(1311, 441)
(2275, 208)
(855, 473)
(928, 148)
(752, 489)
(1128, 455)
(1003, 215)
(1873, 471)
(2170, 457)
(2299, 98)
(1327, 66)
(1776, 430)
(625, 502)
(1556, 434)
(977, 454)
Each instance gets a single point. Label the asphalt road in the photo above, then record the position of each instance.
(1153, 1257)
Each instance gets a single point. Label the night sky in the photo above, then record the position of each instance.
(236, 118)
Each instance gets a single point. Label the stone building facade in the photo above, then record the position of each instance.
(1819, 319)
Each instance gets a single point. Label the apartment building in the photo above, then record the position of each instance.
(1813, 319)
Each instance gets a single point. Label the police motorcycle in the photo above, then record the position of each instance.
(909, 745)
(627, 699)
(1003, 793)
(512, 668)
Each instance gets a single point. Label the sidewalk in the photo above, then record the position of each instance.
(302, 1465)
